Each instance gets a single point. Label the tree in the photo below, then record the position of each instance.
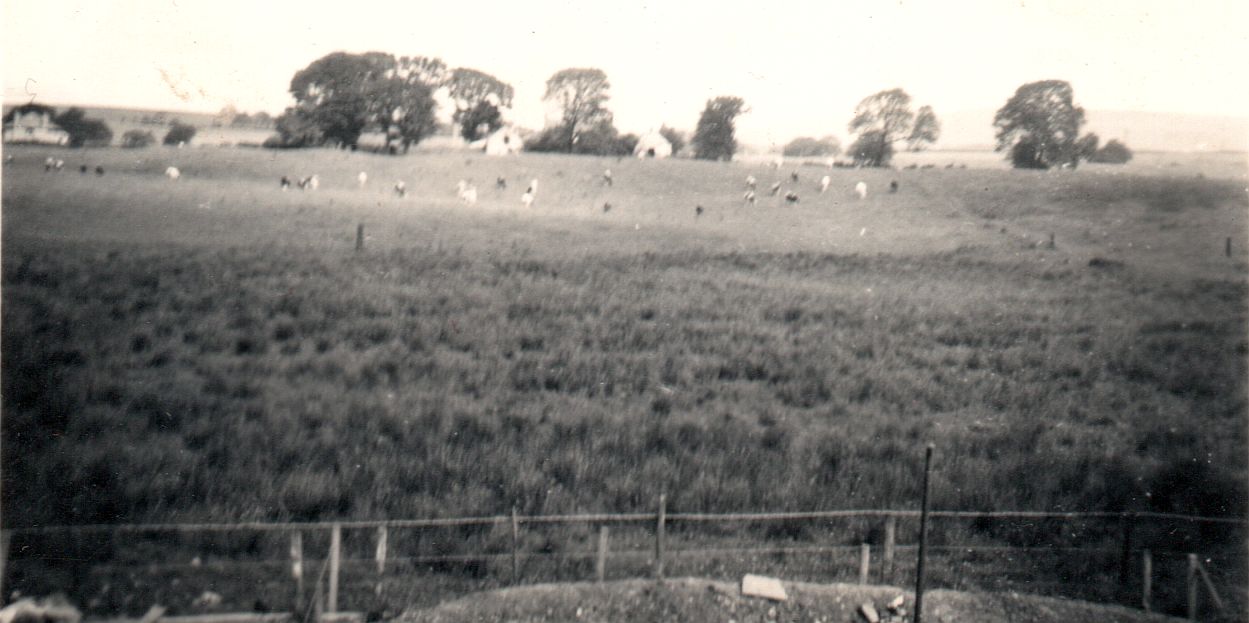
(343, 94)
(581, 95)
(296, 129)
(179, 133)
(713, 137)
(241, 120)
(479, 120)
(926, 129)
(675, 137)
(478, 98)
(1039, 125)
(885, 118)
(872, 149)
(83, 132)
(135, 139)
(805, 146)
(1086, 146)
(1113, 152)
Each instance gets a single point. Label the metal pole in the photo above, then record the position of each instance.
(515, 546)
(659, 537)
(923, 539)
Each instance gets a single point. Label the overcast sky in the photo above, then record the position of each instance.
(800, 66)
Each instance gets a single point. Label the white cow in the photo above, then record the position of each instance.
(751, 181)
(362, 178)
(527, 198)
(467, 192)
(401, 189)
(824, 182)
(173, 173)
(860, 189)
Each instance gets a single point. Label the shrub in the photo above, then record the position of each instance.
(179, 133)
(136, 139)
(1113, 152)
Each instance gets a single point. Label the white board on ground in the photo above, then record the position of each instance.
(765, 587)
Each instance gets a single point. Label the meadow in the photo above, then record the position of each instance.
(215, 349)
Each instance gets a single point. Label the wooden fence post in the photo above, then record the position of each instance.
(360, 237)
(923, 539)
(1190, 583)
(886, 565)
(600, 566)
(1147, 580)
(382, 537)
(1227, 247)
(336, 545)
(1214, 594)
(659, 537)
(297, 568)
(515, 547)
(1125, 556)
(865, 562)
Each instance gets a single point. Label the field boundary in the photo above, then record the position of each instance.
(877, 560)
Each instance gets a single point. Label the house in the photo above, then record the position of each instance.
(505, 141)
(653, 145)
(32, 123)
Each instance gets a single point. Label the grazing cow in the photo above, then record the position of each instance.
(698, 211)
(401, 189)
(527, 198)
(311, 182)
(48, 163)
(750, 182)
(286, 182)
(533, 187)
(791, 197)
(83, 169)
(8, 159)
(607, 180)
(467, 192)
(173, 173)
(99, 170)
(776, 188)
(824, 182)
(362, 178)
(860, 189)
(893, 186)
(749, 197)
(500, 183)
(793, 177)
(606, 207)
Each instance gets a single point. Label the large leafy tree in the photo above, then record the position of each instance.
(805, 146)
(884, 118)
(674, 136)
(581, 95)
(82, 130)
(342, 94)
(1040, 126)
(925, 131)
(714, 135)
(478, 98)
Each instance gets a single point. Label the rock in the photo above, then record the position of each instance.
(765, 587)
(50, 610)
(868, 612)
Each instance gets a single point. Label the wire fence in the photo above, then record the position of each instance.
(1135, 559)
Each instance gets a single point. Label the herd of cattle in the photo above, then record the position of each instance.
(467, 192)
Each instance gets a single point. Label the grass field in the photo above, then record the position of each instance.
(215, 349)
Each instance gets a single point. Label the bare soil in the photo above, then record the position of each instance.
(694, 600)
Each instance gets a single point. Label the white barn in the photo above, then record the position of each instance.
(505, 141)
(653, 145)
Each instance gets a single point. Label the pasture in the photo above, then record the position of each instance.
(215, 349)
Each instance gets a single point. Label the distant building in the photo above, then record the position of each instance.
(653, 145)
(32, 123)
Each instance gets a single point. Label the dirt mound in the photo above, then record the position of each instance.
(693, 600)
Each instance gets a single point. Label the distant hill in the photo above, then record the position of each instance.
(211, 128)
(1140, 131)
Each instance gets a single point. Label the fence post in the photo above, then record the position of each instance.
(515, 547)
(1214, 594)
(1227, 247)
(1125, 556)
(360, 237)
(1147, 580)
(1190, 583)
(336, 544)
(865, 562)
(923, 539)
(382, 538)
(297, 568)
(600, 566)
(659, 537)
(886, 565)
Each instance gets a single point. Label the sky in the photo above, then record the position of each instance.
(800, 66)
